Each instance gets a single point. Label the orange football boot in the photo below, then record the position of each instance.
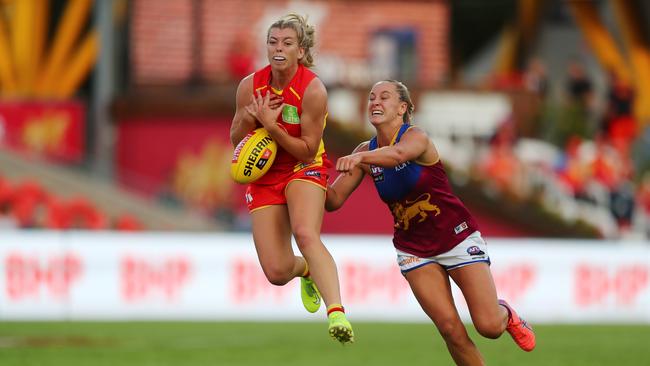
(521, 332)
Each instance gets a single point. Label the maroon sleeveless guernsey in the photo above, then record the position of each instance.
(429, 219)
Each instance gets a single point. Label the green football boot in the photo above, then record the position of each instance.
(340, 328)
(309, 294)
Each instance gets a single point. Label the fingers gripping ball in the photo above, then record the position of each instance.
(253, 156)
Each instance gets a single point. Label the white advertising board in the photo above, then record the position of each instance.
(118, 276)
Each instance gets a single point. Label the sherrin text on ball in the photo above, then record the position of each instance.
(253, 156)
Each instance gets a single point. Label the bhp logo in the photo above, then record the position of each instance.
(249, 284)
(362, 282)
(513, 282)
(595, 284)
(28, 274)
(145, 278)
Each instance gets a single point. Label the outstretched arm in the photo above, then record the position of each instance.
(345, 184)
(414, 145)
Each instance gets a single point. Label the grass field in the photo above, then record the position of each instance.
(304, 344)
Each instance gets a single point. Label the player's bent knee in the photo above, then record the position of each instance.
(491, 328)
(278, 276)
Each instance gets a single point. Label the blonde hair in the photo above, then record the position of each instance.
(404, 96)
(304, 31)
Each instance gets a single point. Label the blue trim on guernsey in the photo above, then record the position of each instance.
(395, 183)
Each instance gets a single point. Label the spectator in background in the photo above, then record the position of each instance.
(618, 123)
(614, 171)
(500, 165)
(640, 153)
(576, 118)
(622, 204)
(579, 85)
(573, 171)
(643, 200)
(535, 78)
(607, 165)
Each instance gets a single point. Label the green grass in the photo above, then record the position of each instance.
(304, 344)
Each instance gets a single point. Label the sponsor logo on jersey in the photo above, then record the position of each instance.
(290, 114)
(474, 250)
(402, 166)
(377, 173)
(407, 260)
(460, 228)
(312, 173)
(249, 197)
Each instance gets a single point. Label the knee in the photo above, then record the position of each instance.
(305, 237)
(278, 275)
(453, 331)
(489, 328)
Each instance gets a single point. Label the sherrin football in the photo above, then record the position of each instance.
(253, 156)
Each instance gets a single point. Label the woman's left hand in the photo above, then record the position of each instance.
(264, 110)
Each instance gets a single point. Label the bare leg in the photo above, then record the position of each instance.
(431, 287)
(272, 236)
(475, 281)
(306, 204)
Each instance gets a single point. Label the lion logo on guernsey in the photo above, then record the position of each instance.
(419, 207)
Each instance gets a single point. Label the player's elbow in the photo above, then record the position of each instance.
(235, 138)
(308, 156)
(399, 157)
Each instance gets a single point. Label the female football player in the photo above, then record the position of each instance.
(290, 102)
(435, 236)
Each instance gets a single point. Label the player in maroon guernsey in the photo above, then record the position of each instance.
(435, 235)
(290, 102)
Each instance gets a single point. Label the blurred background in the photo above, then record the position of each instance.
(114, 115)
(116, 201)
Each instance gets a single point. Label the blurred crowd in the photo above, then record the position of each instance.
(587, 158)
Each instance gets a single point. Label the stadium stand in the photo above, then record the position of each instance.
(36, 194)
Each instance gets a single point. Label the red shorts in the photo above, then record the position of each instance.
(262, 195)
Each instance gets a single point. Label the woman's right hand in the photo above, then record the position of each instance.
(347, 163)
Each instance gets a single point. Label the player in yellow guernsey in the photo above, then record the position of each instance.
(290, 102)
